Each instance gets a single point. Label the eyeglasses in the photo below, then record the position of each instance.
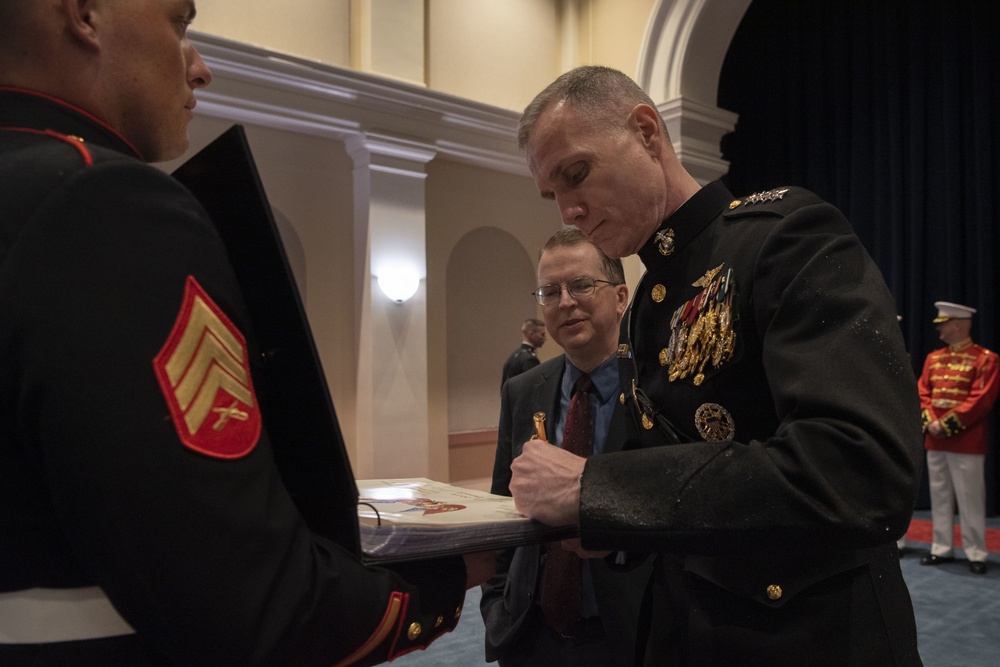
(578, 288)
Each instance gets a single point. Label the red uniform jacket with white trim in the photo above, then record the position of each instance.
(958, 387)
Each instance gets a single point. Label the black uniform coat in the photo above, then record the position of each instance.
(204, 555)
(508, 597)
(520, 360)
(776, 519)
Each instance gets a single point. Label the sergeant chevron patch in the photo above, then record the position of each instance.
(204, 373)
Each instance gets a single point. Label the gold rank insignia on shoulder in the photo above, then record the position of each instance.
(762, 197)
(665, 241)
(204, 373)
(714, 423)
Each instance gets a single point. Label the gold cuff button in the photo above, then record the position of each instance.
(458, 613)
(414, 631)
(774, 592)
(439, 621)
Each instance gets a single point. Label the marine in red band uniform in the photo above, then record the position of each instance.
(143, 517)
(958, 387)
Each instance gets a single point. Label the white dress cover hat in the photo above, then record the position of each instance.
(952, 311)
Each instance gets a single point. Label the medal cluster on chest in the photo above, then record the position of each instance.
(702, 329)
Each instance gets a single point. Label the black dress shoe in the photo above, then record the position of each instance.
(977, 567)
(931, 559)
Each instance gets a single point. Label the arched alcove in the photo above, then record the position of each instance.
(490, 278)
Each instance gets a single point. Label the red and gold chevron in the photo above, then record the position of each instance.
(204, 373)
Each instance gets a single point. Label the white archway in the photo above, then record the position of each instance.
(679, 65)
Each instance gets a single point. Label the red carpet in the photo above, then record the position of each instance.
(921, 531)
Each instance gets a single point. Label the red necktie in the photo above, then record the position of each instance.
(561, 573)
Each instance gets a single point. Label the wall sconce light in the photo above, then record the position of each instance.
(398, 283)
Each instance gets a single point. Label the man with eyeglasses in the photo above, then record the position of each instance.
(773, 455)
(583, 295)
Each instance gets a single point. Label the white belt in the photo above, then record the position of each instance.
(46, 615)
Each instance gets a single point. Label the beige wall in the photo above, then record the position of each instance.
(498, 52)
(493, 51)
(312, 29)
(614, 33)
(484, 232)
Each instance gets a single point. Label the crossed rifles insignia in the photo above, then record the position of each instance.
(204, 373)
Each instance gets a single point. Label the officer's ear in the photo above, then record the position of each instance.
(82, 21)
(644, 121)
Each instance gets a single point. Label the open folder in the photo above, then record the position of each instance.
(411, 518)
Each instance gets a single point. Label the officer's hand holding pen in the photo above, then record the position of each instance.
(545, 480)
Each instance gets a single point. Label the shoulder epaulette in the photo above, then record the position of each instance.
(74, 141)
(775, 201)
(765, 196)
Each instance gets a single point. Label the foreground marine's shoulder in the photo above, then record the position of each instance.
(64, 146)
(37, 164)
(775, 202)
(33, 153)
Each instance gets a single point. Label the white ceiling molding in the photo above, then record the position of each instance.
(256, 86)
(696, 130)
(685, 44)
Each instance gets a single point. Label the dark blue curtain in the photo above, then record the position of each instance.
(889, 109)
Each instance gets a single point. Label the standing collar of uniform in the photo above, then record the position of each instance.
(687, 221)
(27, 109)
(604, 377)
(960, 345)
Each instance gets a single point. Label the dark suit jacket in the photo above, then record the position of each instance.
(508, 597)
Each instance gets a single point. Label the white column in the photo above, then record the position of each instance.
(696, 131)
(392, 375)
